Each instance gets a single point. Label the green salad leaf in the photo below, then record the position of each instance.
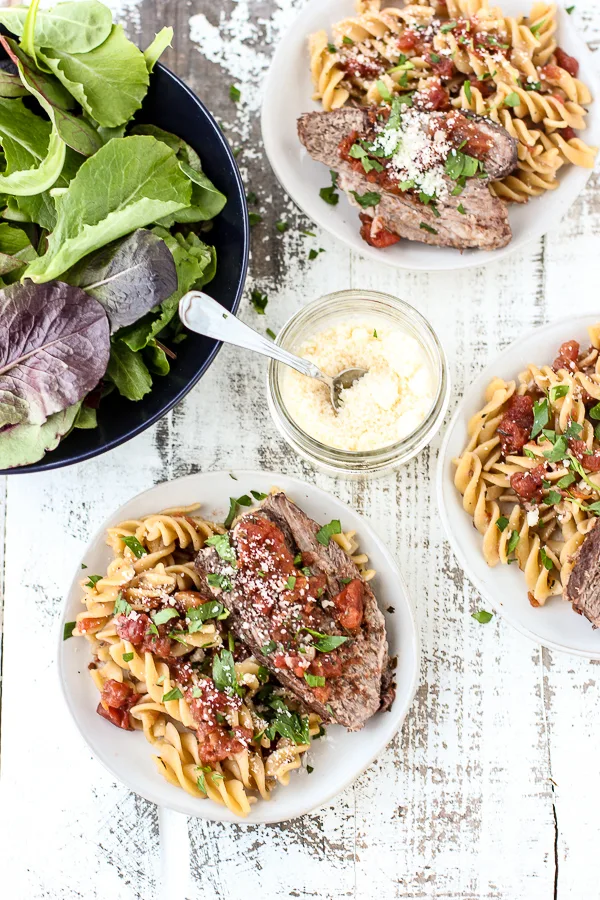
(109, 82)
(73, 27)
(128, 371)
(140, 180)
(26, 443)
(26, 138)
(158, 46)
(15, 249)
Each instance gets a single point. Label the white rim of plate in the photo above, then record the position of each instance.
(469, 259)
(484, 377)
(389, 733)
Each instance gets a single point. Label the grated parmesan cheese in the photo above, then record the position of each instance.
(416, 155)
(385, 406)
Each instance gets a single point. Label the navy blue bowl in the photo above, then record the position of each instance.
(171, 105)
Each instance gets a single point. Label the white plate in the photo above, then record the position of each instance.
(554, 625)
(288, 93)
(339, 758)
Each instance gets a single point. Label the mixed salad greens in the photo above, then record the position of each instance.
(99, 225)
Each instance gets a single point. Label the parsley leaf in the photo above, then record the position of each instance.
(325, 533)
(127, 657)
(268, 648)
(223, 673)
(370, 198)
(546, 561)
(482, 616)
(512, 99)
(513, 541)
(163, 615)
(234, 93)
(68, 629)
(428, 228)
(93, 580)
(259, 301)
(502, 523)
(220, 581)
(314, 680)
(122, 607)
(329, 194)
(134, 545)
(326, 642)
(282, 227)
(221, 544)
(557, 391)
(540, 416)
(198, 615)
(174, 694)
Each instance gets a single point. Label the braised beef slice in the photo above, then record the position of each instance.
(357, 694)
(482, 223)
(583, 587)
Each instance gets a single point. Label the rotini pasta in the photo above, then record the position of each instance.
(468, 56)
(166, 663)
(530, 473)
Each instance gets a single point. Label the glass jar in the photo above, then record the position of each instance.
(374, 307)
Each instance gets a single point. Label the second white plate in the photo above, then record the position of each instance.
(554, 625)
(288, 92)
(340, 757)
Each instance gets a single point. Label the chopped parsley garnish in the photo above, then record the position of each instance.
(512, 99)
(435, 57)
(286, 723)
(482, 616)
(297, 559)
(345, 580)
(122, 607)
(370, 198)
(221, 544)
(326, 642)
(566, 480)
(347, 40)
(268, 648)
(314, 253)
(310, 769)
(152, 629)
(314, 680)
(134, 545)
(546, 561)
(270, 333)
(251, 197)
(234, 93)
(234, 502)
(535, 29)
(502, 523)
(254, 219)
(262, 674)
(459, 165)
(329, 194)
(281, 226)
(384, 91)
(201, 783)
(223, 673)
(573, 430)
(306, 572)
(83, 566)
(467, 89)
(332, 48)
(540, 416)
(449, 26)
(569, 9)
(68, 629)
(428, 228)
(533, 85)
(595, 412)
(557, 391)
(291, 583)
(174, 694)
(258, 495)
(259, 301)
(219, 581)
(196, 692)
(374, 332)
(325, 533)
(163, 615)
(558, 451)
(93, 580)
(552, 498)
(127, 657)
(358, 152)
(200, 614)
(513, 541)
(461, 209)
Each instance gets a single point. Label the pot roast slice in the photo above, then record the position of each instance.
(484, 223)
(583, 587)
(366, 682)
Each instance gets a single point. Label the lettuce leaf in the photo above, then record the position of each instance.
(195, 262)
(109, 82)
(15, 249)
(74, 27)
(206, 201)
(54, 345)
(128, 277)
(161, 41)
(128, 183)
(24, 444)
(128, 371)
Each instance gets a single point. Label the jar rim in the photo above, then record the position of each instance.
(360, 461)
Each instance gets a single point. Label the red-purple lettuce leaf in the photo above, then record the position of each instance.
(54, 348)
(128, 277)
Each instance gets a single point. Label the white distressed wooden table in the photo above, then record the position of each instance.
(492, 789)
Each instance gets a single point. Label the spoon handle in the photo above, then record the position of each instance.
(201, 313)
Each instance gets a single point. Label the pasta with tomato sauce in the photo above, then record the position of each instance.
(166, 663)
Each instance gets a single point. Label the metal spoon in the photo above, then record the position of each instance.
(201, 313)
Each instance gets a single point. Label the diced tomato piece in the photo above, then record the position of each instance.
(408, 40)
(444, 67)
(381, 238)
(567, 133)
(329, 665)
(589, 461)
(566, 62)
(322, 694)
(116, 693)
(115, 702)
(349, 604)
(118, 717)
(528, 485)
(133, 629)
(568, 354)
(516, 424)
(87, 626)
